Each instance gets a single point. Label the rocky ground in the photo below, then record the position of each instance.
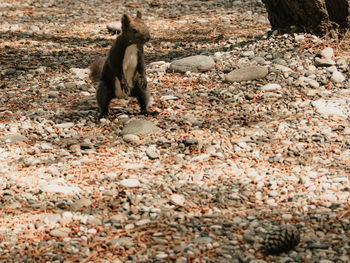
(258, 140)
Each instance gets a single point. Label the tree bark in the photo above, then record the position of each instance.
(313, 16)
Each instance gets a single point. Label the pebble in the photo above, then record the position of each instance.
(65, 125)
(140, 127)
(60, 232)
(130, 183)
(52, 188)
(14, 138)
(324, 62)
(152, 152)
(247, 73)
(337, 77)
(131, 138)
(197, 63)
(177, 199)
(271, 87)
(327, 53)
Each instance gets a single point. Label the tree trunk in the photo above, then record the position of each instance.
(313, 16)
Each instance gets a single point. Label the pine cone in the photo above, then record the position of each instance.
(281, 240)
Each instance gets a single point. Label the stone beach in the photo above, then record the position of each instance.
(253, 132)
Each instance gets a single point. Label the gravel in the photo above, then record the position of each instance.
(222, 164)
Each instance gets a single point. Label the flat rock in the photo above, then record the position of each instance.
(177, 199)
(140, 127)
(65, 125)
(53, 188)
(130, 183)
(199, 63)
(14, 138)
(271, 87)
(131, 138)
(327, 108)
(60, 232)
(83, 202)
(202, 240)
(46, 217)
(247, 73)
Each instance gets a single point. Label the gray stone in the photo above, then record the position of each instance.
(60, 232)
(46, 217)
(83, 202)
(271, 87)
(327, 53)
(143, 222)
(152, 152)
(52, 188)
(326, 108)
(130, 183)
(198, 63)
(131, 138)
(190, 141)
(82, 73)
(202, 240)
(337, 77)
(65, 125)
(177, 199)
(14, 138)
(71, 85)
(247, 73)
(140, 127)
(324, 62)
(123, 241)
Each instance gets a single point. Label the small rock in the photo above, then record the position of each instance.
(177, 199)
(198, 63)
(202, 240)
(131, 138)
(65, 125)
(326, 108)
(130, 183)
(152, 152)
(53, 94)
(327, 53)
(337, 77)
(53, 188)
(299, 38)
(70, 85)
(247, 73)
(14, 138)
(140, 127)
(83, 202)
(190, 141)
(324, 62)
(82, 73)
(169, 97)
(143, 222)
(271, 87)
(60, 232)
(92, 231)
(161, 255)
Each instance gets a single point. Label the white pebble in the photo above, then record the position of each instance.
(130, 183)
(337, 77)
(177, 199)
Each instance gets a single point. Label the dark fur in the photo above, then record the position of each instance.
(134, 31)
